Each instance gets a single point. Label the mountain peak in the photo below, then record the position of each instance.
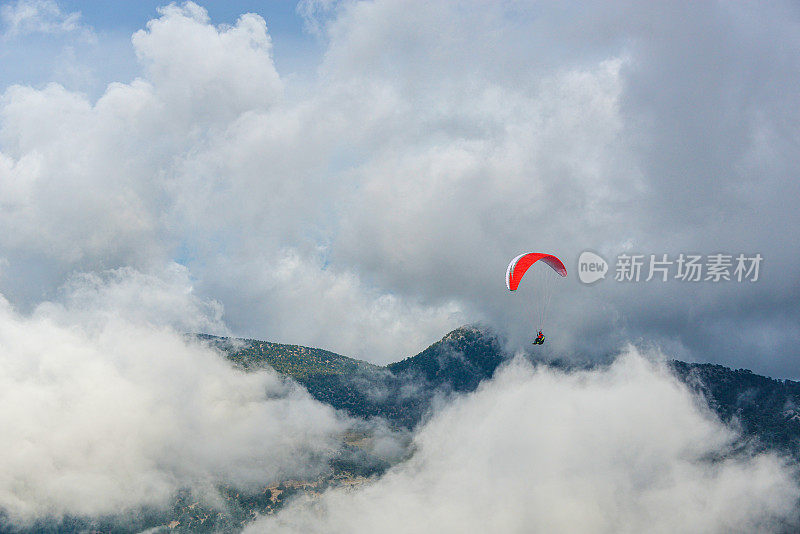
(470, 332)
(460, 360)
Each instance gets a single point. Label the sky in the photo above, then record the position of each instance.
(356, 176)
(390, 162)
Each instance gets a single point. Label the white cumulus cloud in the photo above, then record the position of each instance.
(621, 449)
(105, 410)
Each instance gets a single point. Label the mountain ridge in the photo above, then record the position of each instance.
(767, 410)
(401, 392)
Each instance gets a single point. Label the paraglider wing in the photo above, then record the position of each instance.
(519, 266)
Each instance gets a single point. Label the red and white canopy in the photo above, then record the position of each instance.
(520, 264)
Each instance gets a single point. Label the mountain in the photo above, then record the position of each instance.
(767, 410)
(459, 361)
(401, 393)
(293, 360)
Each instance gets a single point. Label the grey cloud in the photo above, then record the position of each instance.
(433, 145)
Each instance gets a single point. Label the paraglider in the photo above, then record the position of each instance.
(539, 339)
(542, 283)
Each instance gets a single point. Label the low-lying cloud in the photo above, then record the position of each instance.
(104, 412)
(625, 448)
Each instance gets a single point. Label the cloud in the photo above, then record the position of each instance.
(206, 72)
(166, 299)
(626, 448)
(430, 146)
(40, 16)
(303, 303)
(88, 183)
(314, 14)
(105, 411)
